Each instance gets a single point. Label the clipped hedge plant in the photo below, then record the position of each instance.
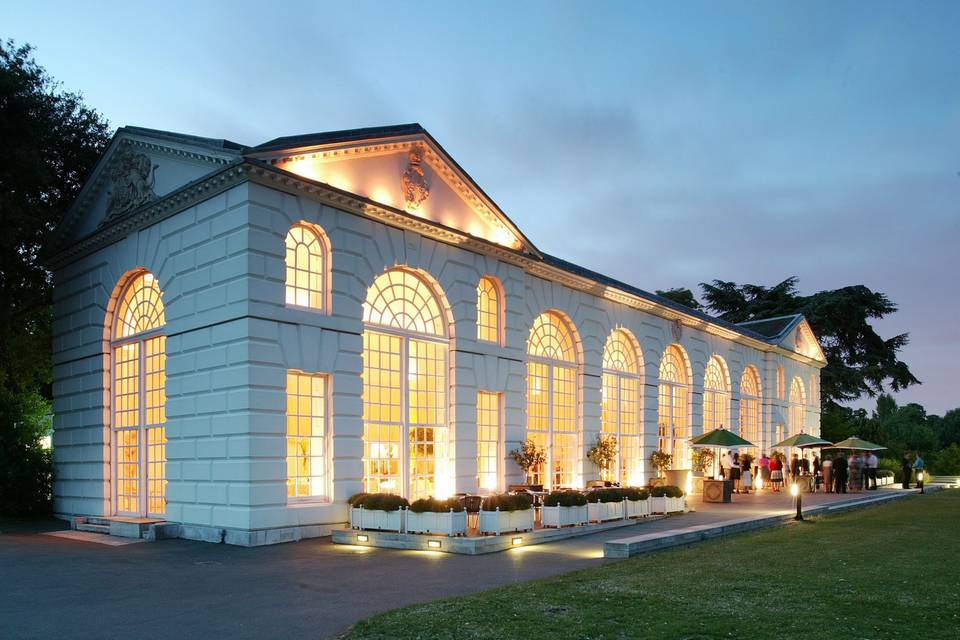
(612, 494)
(568, 498)
(383, 502)
(667, 491)
(635, 493)
(507, 502)
(433, 505)
(356, 499)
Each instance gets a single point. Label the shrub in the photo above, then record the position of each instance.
(433, 505)
(529, 456)
(606, 495)
(383, 502)
(667, 491)
(507, 502)
(661, 460)
(567, 498)
(635, 493)
(356, 499)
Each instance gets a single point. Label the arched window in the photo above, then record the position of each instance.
(674, 422)
(139, 399)
(552, 398)
(716, 395)
(781, 384)
(306, 261)
(489, 310)
(404, 388)
(750, 406)
(814, 398)
(798, 400)
(620, 395)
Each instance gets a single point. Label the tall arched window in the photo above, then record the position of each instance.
(552, 398)
(489, 310)
(798, 400)
(306, 261)
(750, 406)
(814, 398)
(620, 394)
(781, 384)
(716, 395)
(139, 399)
(404, 387)
(674, 422)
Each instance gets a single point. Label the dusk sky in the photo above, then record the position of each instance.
(663, 144)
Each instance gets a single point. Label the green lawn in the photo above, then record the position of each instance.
(886, 572)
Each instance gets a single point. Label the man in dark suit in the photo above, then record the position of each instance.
(840, 473)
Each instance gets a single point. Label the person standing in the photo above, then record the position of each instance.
(776, 473)
(726, 462)
(905, 470)
(794, 467)
(853, 472)
(746, 475)
(840, 471)
(918, 465)
(872, 463)
(735, 472)
(828, 474)
(817, 475)
(804, 466)
(764, 465)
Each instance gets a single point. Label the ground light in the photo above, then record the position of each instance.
(795, 492)
(516, 541)
(920, 480)
(433, 544)
(362, 538)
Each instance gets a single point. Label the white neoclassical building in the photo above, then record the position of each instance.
(246, 336)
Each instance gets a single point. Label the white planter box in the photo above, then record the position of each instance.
(638, 508)
(666, 505)
(563, 516)
(450, 523)
(498, 522)
(603, 511)
(361, 518)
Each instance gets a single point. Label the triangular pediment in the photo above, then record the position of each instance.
(400, 167)
(140, 166)
(802, 340)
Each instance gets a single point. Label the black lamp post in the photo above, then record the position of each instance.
(795, 492)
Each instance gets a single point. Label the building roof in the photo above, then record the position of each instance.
(773, 329)
(216, 144)
(333, 137)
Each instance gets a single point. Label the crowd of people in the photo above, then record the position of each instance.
(836, 473)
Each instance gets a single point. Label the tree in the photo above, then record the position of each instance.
(859, 361)
(681, 296)
(51, 142)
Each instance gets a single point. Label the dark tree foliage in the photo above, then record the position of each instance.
(682, 296)
(859, 361)
(51, 142)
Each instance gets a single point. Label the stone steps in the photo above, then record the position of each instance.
(148, 528)
(93, 528)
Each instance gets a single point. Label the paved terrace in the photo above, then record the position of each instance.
(55, 586)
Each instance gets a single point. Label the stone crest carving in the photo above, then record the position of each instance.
(677, 329)
(414, 181)
(133, 178)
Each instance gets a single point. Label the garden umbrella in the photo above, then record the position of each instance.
(803, 441)
(720, 439)
(859, 444)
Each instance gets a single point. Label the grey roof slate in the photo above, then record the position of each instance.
(774, 329)
(216, 144)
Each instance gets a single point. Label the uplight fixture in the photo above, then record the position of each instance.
(362, 537)
(433, 544)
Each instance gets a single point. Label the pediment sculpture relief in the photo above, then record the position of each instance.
(416, 189)
(133, 179)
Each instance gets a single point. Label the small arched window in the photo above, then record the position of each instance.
(307, 265)
(781, 384)
(750, 406)
(798, 400)
(489, 310)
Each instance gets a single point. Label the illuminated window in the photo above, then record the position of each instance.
(404, 388)
(489, 305)
(306, 435)
(488, 441)
(750, 406)
(552, 399)
(306, 261)
(619, 410)
(814, 398)
(716, 395)
(798, 399)
(139, 399)
(781, 384)
(674, 390)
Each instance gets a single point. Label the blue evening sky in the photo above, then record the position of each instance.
(665, 144)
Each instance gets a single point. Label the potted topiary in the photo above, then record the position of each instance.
(429, 515)
(529, 456)
(661, 461)
(564, 508)
(637, 502)
(603, 454)
(506, 512)
(666, 499)
(702, 461)
(383, 511)
(605, 504)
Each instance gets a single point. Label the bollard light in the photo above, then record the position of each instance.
(795, 492)
(920, 480)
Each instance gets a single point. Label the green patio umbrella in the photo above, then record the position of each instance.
(720, 439)
(859, 444)
(804, 441)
